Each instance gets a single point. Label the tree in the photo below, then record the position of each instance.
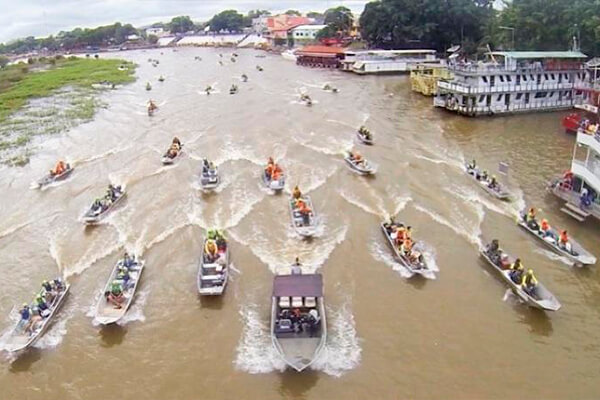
(152, 39)
(315, 15)
(433, 24)
(229, 20)
(339, 18)
(327, 32)
(293, 12)
(257, 13)
(181, 24)
(3, 61)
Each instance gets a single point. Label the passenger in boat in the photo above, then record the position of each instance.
(304, 211)
(365, 132)
(269, 168)
(124, 276)
(244, 78)
(211, 251)
(530, 219)
(529, 282)
(205, 166)
(219, 238)
(42, 306)
(472, 165)
(296, 267)
(25, 313)
(585, 200)
(48, 291)
(313, 320)
(493, 251)
(276, 175)
(389, 226)
(406, 247)
(115, 294)
(59, 286)
(563, 241)
(483, 176)
(296, 194)
(400, 235)
(567, 179)
(59, 168)
(128, 261)
(113, 192)
(516, 271)
(408, 232)
(545, 229)
(151, 105)
(356, 158)
(493, 183)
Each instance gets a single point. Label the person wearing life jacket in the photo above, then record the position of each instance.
(211, 251)
(42, 306)
(276, 174)
(545, 229)
(47, 291)
(296, 194)
(563, 240)
(493, 183)
(529, 282)
(516, 270)
(270, 167)
(302, 207)
(530, 219)
(400, 235)
(59, 168)
(123, 275)
(25, 314)
(115, 294)
(406, 247)
(472, 165)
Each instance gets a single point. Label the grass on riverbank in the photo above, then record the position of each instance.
(22, 82)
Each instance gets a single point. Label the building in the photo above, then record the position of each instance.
(514, 81)
(279, 26)
(424, 77)
(386, 61)
(303, 34)
(583, 177)
(320, 56)
(260, 24)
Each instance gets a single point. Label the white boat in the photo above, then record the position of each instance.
(209, 178)
(213, 274)
(298, 336)
(289, 55)
(48, 179)
(94, 216)
(277, 185)
(499, 191)
(166, 160)
(542, 298)
(362, 137)
(304, 226)
(362, 168)
(109, 313)
(576, 253)
(21, 340)
(418, 266)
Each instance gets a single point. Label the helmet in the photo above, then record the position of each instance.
(529, 271)
(44, 282)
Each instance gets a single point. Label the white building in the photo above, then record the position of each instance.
(305, 33)
(154, 31)
(514, 81)
(259, 24)
(385, 61)
(585, 169)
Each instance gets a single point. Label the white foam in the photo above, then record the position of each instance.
(88, 259)
(385, 256)
(55, 333)
(353, 199)
(342, 351)
(555, 257)
(255, 353)
(136, 310)
(472, 233)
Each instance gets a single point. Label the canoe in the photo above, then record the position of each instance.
(210, 179)
(302, 227)
(20, 340)
(106, 312)
(212, 276)
(544, 299)
(233, 91)
(91, 217)
(365, 168)
(578, 254)
(48, 179)
(299, 341)
(363, 139)
(166, 160)
(273, 185)
(499, 192)
(417, 267)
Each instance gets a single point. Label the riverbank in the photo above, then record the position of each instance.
(24, 111)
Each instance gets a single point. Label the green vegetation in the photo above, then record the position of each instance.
(230, 20)
(338, 20)
(181, 24)
(18, 84)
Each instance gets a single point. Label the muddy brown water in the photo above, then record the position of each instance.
(458, 336)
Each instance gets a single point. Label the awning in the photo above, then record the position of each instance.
(298, 285)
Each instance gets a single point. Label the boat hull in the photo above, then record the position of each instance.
(107, 314)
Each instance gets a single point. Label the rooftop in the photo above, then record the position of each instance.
(538, 54)
(298, 285)
(313, 27)
(321, 50)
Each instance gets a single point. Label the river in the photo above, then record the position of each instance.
(457, 335)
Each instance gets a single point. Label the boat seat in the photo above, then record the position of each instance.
(211, 277)
(284, 326)
(284, 302)
(296, 302)
(310, 302)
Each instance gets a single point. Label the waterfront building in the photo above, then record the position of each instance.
(303, 34)
(424, 77)
(514, 81)
(385, 61)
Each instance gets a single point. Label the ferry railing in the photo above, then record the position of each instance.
(463, 88)
(484, 68)
(499, 109)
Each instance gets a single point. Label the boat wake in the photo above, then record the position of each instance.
(100, 156)
(471, 233)
(336, 149)
(136, 310)
(342, 351)
(385, 256)
(255, 352)
(555, 257)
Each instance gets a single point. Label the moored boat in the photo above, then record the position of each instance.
(119, 291)
(213, 270)
(487, 183)
(26, 333)
(359, 166)
(415, 263)
(550, 236)
(539, 297)
(303, 215)
(102, 206)
(298, 323)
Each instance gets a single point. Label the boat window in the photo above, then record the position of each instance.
(501, 78)
(519, 95)
(481, 98)
(499, 98)
(532, 77)
(552, 76)
(551, 94)
(484, 79)
(546, 76)
(578, 93)
(508, 78)
(540, 95)
(524, 78)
